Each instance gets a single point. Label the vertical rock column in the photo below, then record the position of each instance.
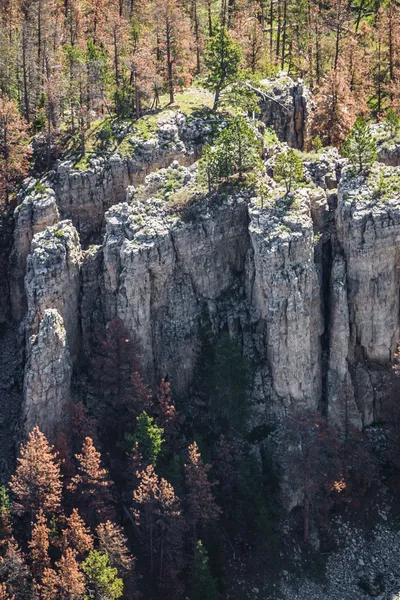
(48, 377)
(52, 325)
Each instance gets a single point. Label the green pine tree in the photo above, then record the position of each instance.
(289, 169)
(245, 147)
(102, 580)
(222, 58)
(201, 583)
(5, 502)
(392, 122)
(149, 438)
(360, 147)
(236, 150)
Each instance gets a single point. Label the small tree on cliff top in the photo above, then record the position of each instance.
(289, 169)
(360, 147)
(222, 58)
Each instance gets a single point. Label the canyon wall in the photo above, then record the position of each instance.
(308, 288)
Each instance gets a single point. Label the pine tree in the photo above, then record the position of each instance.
(201, 583)
(36, 483)
(200, 500)
(14, 573)
(149, 438)
(360, 147)
(158, 516)
(222, 58)
(39, 545)
(392, 122)
(4, 594)
(289, 169)
(335, 108)
(113, 542)
(167, 414)
(243, 143)
(14, 149)
(102, 580)
(76, 535)
(173, 44)
(64, 583)
(92, 485)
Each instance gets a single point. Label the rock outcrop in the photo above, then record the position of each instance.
(286, 107)
(309, 288)
(33, 215)
(53, 280)
(307, 284)
(366, 285)
(84, 196)
(48, 377)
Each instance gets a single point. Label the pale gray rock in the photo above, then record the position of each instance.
(34, 214)
(53, 281)
(368, 236)
(286, 107)
(285, 293)
(47, 377)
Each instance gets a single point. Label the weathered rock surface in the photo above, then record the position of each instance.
(47, 377)
(367, 294)
(84, 196)
(53, 280)
(309, 288)
(286, 108)
(284, 292)
(34, 214)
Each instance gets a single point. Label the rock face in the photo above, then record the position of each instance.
(365, 285)
(53, 280)
(307, 285)
(286, 107)
(34, 214)
(284, 292)
(84, 196)
(47, 377)
(160, 276)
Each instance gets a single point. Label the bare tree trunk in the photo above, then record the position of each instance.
(25, 72)
(284, 33)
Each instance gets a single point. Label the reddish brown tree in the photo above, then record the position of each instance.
(312, 461)
(113, 542)
(76, 535)
(14, 149)
(4, 595)
(66, 582)
(39, 546)
(201, 505)
(173, 44)
(336, 108)
(92, 485)
(118, 382)
(83, 425)
(36, 483)
(167, 416)
(160, 524)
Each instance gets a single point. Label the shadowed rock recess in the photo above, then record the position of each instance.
(310, 290)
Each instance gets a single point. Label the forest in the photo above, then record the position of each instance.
(176, 490)
(67, 67)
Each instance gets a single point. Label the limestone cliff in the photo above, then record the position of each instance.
(48, 377)
(307, 284)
